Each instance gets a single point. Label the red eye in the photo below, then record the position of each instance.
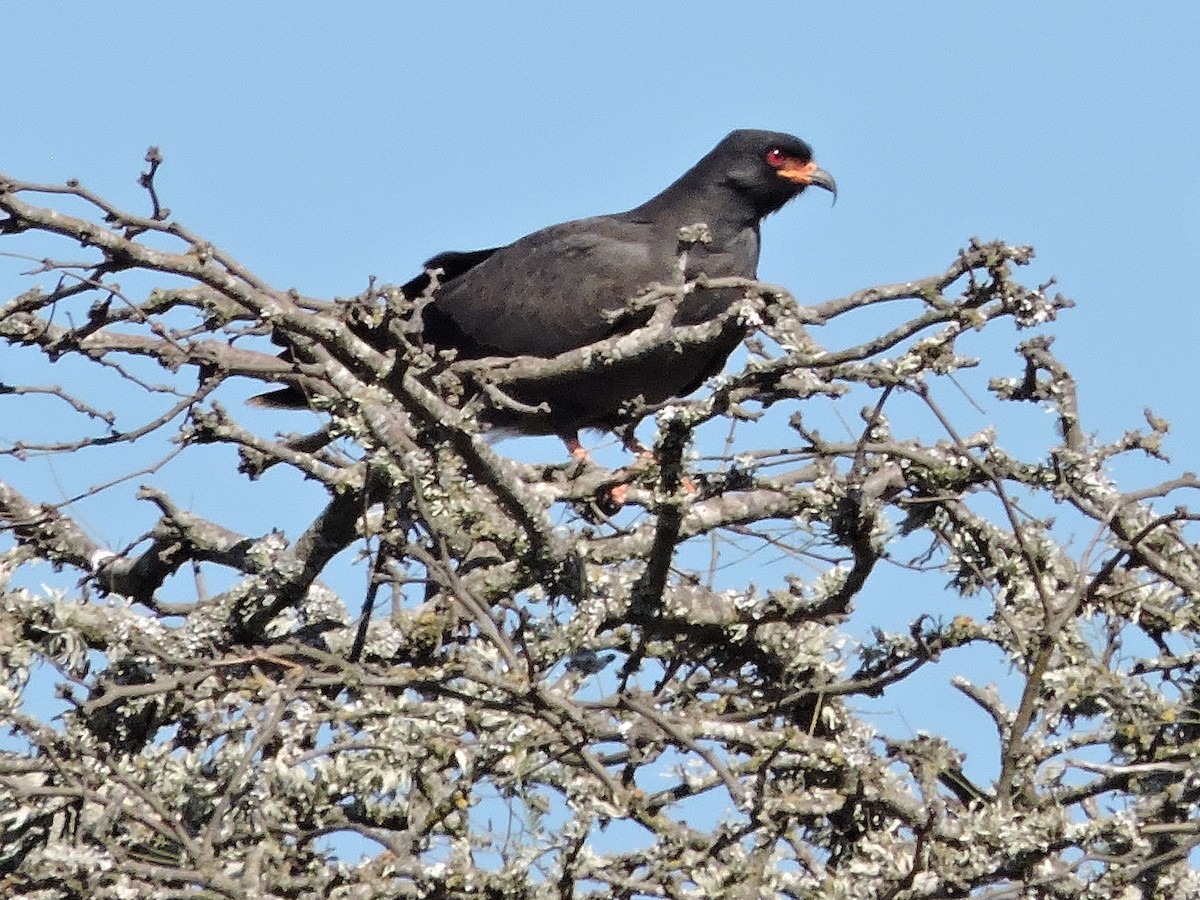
(776, 157)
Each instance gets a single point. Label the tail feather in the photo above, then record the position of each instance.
(284, 398)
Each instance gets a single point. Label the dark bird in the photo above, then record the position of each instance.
(566, 286)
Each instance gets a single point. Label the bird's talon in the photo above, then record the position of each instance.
(611, 501)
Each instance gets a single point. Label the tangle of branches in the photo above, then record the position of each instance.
(445, 672)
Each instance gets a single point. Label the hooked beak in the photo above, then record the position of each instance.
(808, 174)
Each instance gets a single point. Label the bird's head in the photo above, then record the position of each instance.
(768, 168)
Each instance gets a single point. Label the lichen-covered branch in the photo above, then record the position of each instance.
(550, 698)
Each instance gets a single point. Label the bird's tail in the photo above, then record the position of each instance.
(290, 397)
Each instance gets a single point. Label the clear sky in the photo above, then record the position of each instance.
(322, 143)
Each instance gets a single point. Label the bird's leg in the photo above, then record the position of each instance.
(630, 442)
(646, 457)
(614, 499)
(575, 448)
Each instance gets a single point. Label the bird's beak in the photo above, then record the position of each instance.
(808, 174)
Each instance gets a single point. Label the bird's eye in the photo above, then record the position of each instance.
(776, 157)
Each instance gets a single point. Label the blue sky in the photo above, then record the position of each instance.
(326, 142)
(322, 143)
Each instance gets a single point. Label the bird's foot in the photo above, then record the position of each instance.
(616, 497)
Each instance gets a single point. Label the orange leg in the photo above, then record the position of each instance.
(576, 449)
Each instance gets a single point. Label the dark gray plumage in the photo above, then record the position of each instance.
(563, 287)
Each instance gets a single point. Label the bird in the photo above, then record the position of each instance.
(570, 285)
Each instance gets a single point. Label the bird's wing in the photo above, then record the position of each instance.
(553, 290)
(450, 264)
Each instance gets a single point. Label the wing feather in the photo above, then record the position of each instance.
(555, 289)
